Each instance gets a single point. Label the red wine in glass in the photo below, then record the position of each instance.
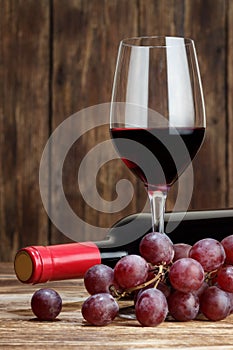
(173, 149)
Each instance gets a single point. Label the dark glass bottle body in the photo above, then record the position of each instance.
(37, 264)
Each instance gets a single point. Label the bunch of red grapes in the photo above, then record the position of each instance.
(166, 280)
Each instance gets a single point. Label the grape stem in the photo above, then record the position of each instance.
(162, 269)
(210, 275)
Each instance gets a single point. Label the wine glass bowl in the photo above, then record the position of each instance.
(157, 118)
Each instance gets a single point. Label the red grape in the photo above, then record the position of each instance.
(186, 275)
(131, 271)
(164, 288)
(215, 304)
(225, 278)
(151, 307)
(98, 279)
(209, 252)
(183, 306)
(46, 304)
(100, 309)
(230, 295)
(201, 290)
(227, 243)
(181, 251)
(156, 248)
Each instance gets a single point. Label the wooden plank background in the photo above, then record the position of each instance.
(58, 57)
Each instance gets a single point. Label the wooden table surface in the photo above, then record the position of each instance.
(19, 328)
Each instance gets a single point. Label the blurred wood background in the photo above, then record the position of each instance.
(58, 57)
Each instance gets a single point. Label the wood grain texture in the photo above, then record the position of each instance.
(229, 98)
(24, 99)
(19, 327)
(86, 38)
(207, 25)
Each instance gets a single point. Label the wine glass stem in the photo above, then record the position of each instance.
(157, 203)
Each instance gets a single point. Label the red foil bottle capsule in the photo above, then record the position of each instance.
(39, 264)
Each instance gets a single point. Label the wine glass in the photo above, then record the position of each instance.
(157, 116)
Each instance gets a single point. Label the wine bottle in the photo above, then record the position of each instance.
(39, 264)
